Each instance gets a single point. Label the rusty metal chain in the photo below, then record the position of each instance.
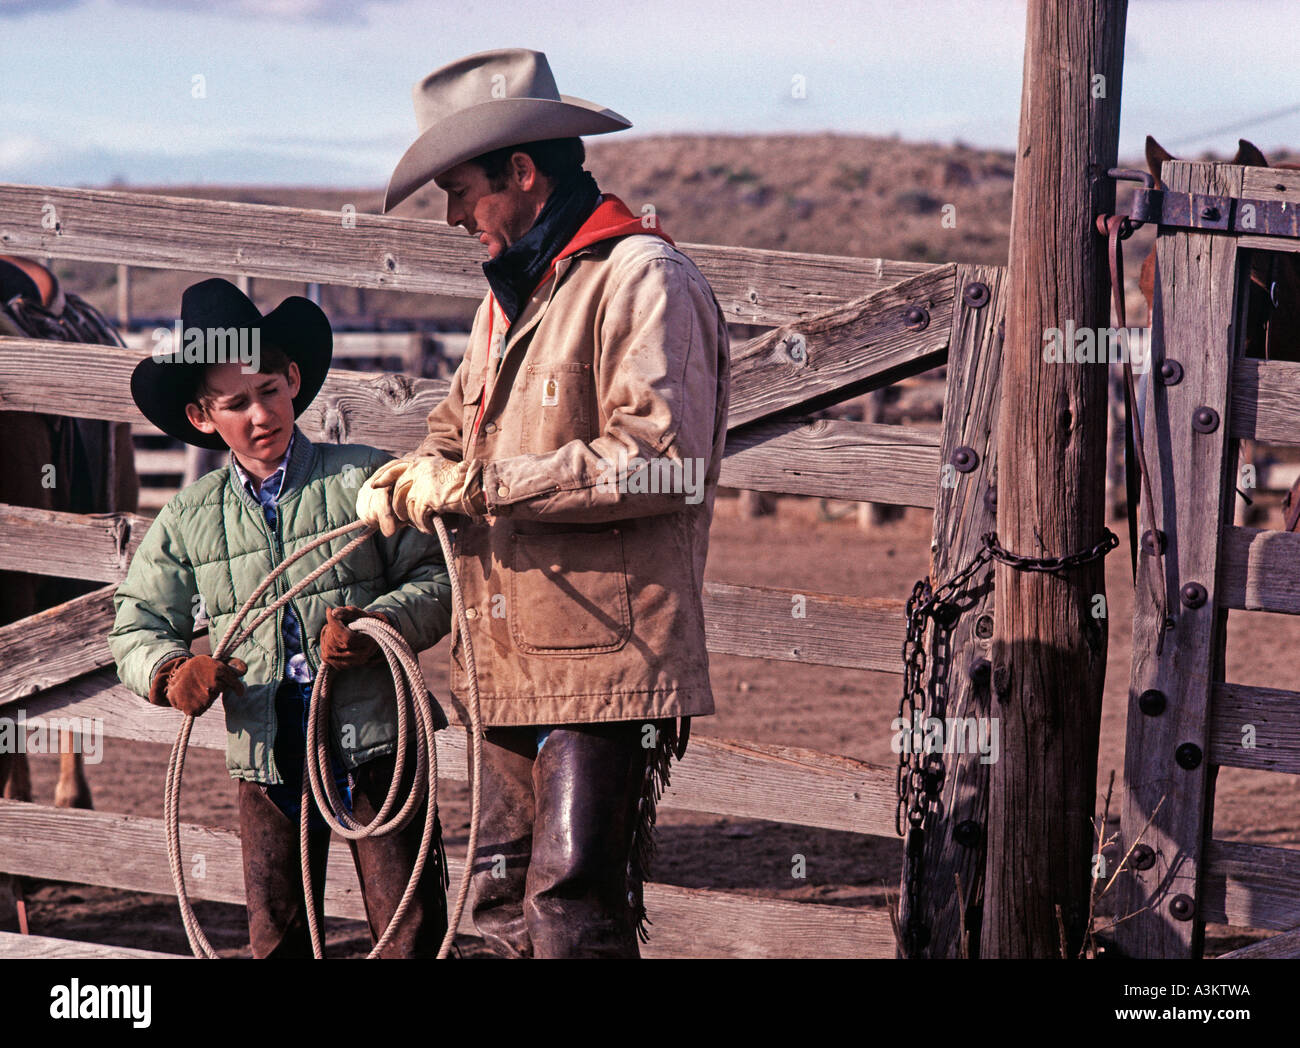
(920, 775)
(1071, 560)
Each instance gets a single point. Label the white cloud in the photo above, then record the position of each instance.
(280, 10)
(18, 151)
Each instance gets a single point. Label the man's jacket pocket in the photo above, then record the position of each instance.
(568, 592)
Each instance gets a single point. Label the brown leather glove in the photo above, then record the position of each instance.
(193, 684)
(343, 648)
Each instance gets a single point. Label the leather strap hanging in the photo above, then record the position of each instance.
(1117, 228)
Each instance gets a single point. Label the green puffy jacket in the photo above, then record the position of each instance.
(211, 542)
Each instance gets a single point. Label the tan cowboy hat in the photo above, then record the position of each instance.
(483, 102)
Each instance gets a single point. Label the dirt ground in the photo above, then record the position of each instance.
(837, 710)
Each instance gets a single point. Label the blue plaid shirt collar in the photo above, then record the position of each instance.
(268, 492)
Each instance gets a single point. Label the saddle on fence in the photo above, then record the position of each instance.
(92, 459)
(34, 305)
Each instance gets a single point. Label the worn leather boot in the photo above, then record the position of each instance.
(277, 916)
(384, 865)
(587, 781)
(505, 840)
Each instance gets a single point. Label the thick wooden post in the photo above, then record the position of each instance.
(1049, 649)
(954, 833)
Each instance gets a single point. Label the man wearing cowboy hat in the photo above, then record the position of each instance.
(582, 436)
(214, 543)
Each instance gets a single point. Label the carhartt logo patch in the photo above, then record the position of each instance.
(550, 393)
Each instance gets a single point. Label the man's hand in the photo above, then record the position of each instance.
(433, 486)
(341, 647)
(193, 684)
(375, 499)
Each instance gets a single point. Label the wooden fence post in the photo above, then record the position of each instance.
(123, 297)
(1049, 651)
(955, 830)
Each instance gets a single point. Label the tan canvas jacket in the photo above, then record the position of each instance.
(584, 592)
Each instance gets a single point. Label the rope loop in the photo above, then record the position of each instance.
(413, 701)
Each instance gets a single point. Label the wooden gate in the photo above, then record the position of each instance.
(1185, 720)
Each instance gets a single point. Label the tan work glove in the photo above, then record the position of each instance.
(193, 684)
(433, 486)
(341, 647)
(374, 500)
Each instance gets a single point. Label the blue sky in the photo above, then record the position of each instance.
(317, 92)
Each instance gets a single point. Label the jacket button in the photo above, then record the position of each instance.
(555, 569)
(471, 613)
(503, 491)
(491, 427)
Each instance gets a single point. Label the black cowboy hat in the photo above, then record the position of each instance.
(297, 326)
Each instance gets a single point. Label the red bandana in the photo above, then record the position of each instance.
(612, 218)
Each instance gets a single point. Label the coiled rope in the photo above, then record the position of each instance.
(412, 697)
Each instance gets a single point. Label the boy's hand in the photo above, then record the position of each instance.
(341, 647)
(193, 684)
(375, 499)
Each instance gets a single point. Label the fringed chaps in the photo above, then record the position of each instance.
(668, 743)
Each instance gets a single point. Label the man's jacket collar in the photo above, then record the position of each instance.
(612, 218)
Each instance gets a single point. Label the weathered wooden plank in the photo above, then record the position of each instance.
(1250, 885)
(795, 626)
(758, 286)
(1269, 243)
(44, 948)
(150, 462)
(843, 352)
(855, 461)
(130, 852)
(1258, 570)
(788, 784)
(721, 776)
(758, 621)
(1270, 183)
(1278, 477)
(1284, 946)
(698, 922)
(1195, 321)
(388, 406)
(962, 516)
(1255, 728)
(155, 498)
(1265, 401)
(407, 346)
(374, 251)
(56, 645)
(834, 459)
(92, 546)
(121, 714)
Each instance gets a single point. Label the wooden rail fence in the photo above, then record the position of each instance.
(854, 323)
(840, 327)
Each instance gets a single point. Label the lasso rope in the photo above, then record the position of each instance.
(410, 688)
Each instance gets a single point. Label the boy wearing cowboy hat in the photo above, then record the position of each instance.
(238, 379)
(599, 355)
